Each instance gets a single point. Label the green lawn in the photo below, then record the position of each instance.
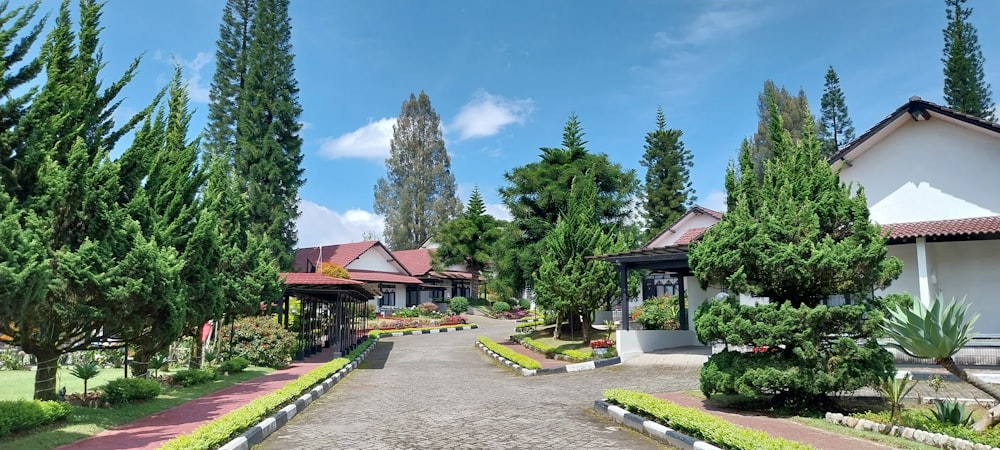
(85, 422)
(20, 384)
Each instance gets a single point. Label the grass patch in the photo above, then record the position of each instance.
(20, 384)
(86, 422)
(892, 441)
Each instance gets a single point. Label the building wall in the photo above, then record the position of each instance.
(908, 281)
(929, 170)
(692, 221)
(374, 259)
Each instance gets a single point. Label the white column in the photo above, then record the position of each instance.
(922, 277)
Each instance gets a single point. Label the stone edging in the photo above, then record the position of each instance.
(564, 369)
(431, 331)
(652, 429)
(924, 437)
(257, 433)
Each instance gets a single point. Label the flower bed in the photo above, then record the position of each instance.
(400, 323)
(550, 352)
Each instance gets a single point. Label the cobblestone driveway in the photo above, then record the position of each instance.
(438, 391)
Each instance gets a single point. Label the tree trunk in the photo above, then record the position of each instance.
(475, 284)
(45, 375)
(557, 331)
(197, 349)
(586, 327)
(992, 416)
(140, 362)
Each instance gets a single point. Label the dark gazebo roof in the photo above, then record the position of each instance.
(672, 258)
(319, 284)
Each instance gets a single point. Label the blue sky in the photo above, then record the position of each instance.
(505, 75)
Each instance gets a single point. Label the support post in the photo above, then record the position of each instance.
(623, 281)
(923, 279)
(682, 322)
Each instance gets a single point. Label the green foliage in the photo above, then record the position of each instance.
(406, 313)
(233, 365)
(570, 354)
(795, 117)
(936, 382)
(658, 313)
(524, 304)
(893, 389)
(16, 74)
(539, 192)
(376, 333)
(261, 340)
(468, 239)
(219, 431)
(128, 390)
(798, 354)
(509, 354)
(192, 377)
(21, 415)
(794, 234)
(528, 325)
(428, 309)
(157, 362)
(697, 423)
(952, 412)
(667, 193)
(918, 419)
(935, 331)
(459, 305)
(416, 199)
(85, 371)
(501, 306)
(835, 125)
(965, 86)
(10, 360)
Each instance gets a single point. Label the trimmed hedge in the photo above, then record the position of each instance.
(192, 377)
(376, 333)
(127, 390)
(697, 423)
(522, 326)
(234, 365)
(17, 415)
(515, 357)
(572, 355)
(220, 431)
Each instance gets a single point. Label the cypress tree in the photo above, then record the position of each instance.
(667, 193)
(418, 193)
(836, 127)
(15, 74)
(965, 86)
(469, 239)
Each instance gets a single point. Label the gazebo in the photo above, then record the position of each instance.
(333, 312)
(671, 259)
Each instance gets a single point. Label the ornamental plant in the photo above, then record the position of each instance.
(602, 343)
(658, 313)
(459, 305)
(261, 340)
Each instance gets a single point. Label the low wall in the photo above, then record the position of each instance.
(632, 342)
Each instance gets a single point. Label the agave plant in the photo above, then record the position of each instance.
(157, 362)
(937, 331)
(85, 371)
(952, 412)
(893, 389)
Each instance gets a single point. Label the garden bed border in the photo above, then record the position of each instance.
(443, 329)
(914, 434)
(652, 429)
(589, 365)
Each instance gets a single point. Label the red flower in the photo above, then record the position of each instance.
(602, 343)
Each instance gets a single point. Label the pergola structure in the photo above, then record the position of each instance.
(333, 313)
(673, 259)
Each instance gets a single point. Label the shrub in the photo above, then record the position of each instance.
(428, 309)
(511, 355)
(453, 320)
(20, 415)
(658, 313)
(459, 305)
(813, 350)
(233, 365)
(573, 355)
(406, 313)
(192, 377)
(261, 340)
(10, 360)
(501, 307)
(128, 390)
(524, 303)
(334, 270)
(698, 424)
(952, 412)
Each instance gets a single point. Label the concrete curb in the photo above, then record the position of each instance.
(257, 433)
(652, 429)
(433, 331)
(589, 365)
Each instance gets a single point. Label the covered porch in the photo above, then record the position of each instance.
(333, 312)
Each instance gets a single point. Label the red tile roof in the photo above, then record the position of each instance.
(383, 277)
(711, 212)
(417, 261)
(943, 228)
(690, 236)
(315, 278)
(340, 254)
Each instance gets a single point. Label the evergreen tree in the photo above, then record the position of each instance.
(230, 76)
(836, 127)
(76, 269)
(538, 193)
(469, 239)
(794, 113)
(667, 193)
(568, 282)
(965, 86)
(268, 147)
(15, 74)
(417, 195)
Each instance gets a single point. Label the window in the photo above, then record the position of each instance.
(388, 298)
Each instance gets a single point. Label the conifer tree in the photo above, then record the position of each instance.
(418, 193)
(268, 155)
(794, 113)
(469, 239)
(75, 269)
(836, 127)
(667, 193)
(965, 86)
(230, 76)
(15, 74)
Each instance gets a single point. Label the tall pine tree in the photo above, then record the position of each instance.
(836, 127)
(469, 239)
(230, 76)
(667, 192)
(794, 113)
(418, 193)
(965, 86)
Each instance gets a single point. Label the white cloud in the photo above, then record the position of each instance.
(197, 89)
(370, 141)
(486, 114)
(498, 211)
(715, 200)
(721, 20)
(319, 225)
